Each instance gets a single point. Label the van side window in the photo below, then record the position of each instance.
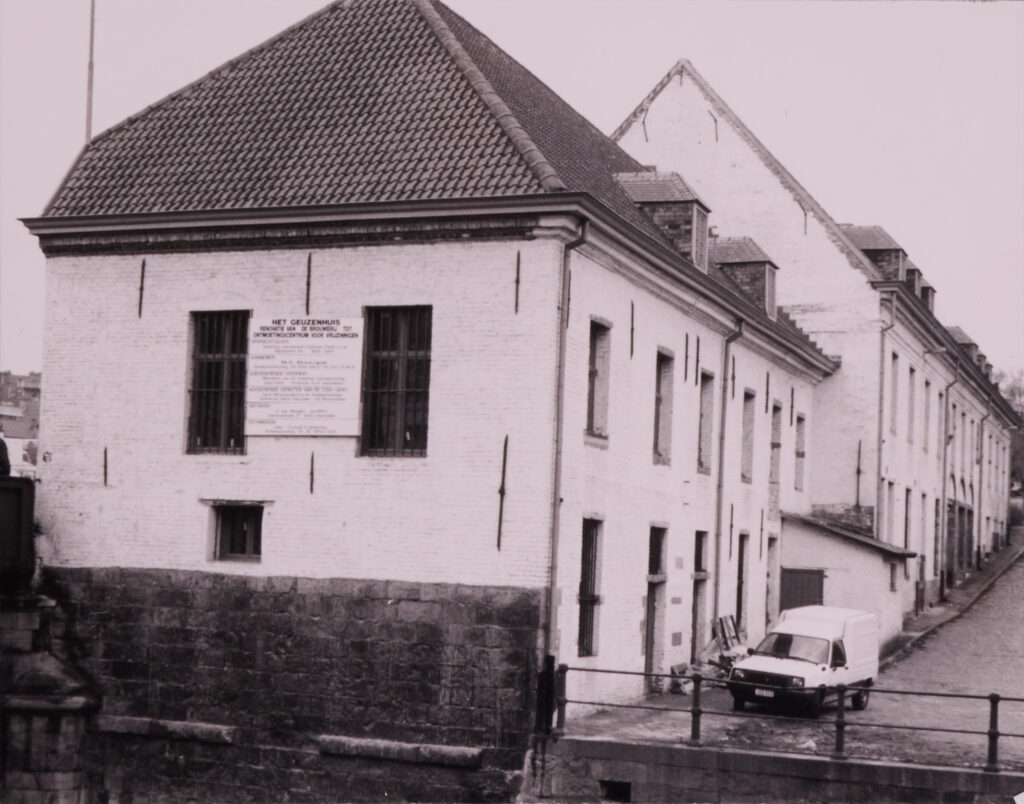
(838, 655)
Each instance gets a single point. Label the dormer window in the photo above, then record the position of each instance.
(749, 268)
(674, 208)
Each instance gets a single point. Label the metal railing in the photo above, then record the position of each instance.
(840, 724)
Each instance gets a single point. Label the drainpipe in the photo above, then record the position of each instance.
(881, 413)
(719, 506)
(979, 458)
(556, 482)
(945, 465)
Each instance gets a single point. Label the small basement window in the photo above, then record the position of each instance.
(239, 532)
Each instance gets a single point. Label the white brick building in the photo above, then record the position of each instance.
(907, 387)
(566, 432)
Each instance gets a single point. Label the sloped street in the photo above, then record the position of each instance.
(978, 653)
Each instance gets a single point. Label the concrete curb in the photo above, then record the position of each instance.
(906, 647)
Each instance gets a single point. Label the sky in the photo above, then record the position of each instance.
(905, 115)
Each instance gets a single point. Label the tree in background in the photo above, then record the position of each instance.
(1011, 385)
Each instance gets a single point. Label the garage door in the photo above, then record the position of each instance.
(801, 587)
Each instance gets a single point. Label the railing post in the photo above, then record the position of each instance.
(545, 696)
(695, 710)
(992, 766)
(563, 669)
(840, 750)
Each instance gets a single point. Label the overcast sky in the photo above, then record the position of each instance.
(905, 115)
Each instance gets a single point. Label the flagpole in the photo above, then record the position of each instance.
(88, 95)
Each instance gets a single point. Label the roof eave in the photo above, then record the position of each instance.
(631, 238)
(890, 550)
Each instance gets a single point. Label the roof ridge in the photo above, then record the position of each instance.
(521, 140)
(803, 197)
(218, 69)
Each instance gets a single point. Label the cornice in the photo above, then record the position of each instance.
(400, 222)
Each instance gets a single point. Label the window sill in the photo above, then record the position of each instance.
(599, 440)
(748, 479)
(699, 576)
(239, 559)
(703, 470)
(661, 460)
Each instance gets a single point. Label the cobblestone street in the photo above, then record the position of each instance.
(978, 653)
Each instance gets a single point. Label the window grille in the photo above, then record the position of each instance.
(239, 531)
(396, 381)
(588, 597)
(217, 399)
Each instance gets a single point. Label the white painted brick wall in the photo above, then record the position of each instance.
(629, 492)
(831, 300)
(117, 381)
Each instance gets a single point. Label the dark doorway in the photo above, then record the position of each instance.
(801, 587)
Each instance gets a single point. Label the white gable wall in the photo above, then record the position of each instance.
(829, 299)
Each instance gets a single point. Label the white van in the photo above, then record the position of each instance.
(811, 651)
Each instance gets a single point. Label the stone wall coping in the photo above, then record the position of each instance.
(47, 703)
(398, 751)
(157, 727)
(768, 763)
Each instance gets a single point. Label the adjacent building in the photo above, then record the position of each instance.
(918, 435)
(423, 383)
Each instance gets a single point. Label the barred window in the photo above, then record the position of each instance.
(396, 380)
(239, 531)
(588, 597)
(217, 401)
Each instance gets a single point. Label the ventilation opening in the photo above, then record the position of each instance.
(612, 790)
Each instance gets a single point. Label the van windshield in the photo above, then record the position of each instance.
(794, 646)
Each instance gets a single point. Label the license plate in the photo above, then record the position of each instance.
(764, 693)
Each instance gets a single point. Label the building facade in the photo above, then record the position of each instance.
(914, 417)
(449, 389)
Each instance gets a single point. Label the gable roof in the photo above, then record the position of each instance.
(726, 250)
(366, 101)
(806, 201)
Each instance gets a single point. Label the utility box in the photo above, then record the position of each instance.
(17, 548)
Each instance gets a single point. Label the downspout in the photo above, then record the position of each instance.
(979, 458)
(881, 413)
(945, 465)
(556, 481)
(720, 484)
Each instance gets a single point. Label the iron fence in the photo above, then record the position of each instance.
(840, 724)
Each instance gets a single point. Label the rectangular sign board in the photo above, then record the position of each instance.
(304, 376)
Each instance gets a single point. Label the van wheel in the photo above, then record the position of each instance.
(860, 700)
(738, 704)
(815, 703)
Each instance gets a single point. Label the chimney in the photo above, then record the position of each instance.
(928, 295)
(913, 280)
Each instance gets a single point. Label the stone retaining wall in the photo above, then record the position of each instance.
(224, 688)
(573, 769)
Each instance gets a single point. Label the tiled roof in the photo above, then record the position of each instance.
(582, 156)
(960, 336)
(650, 186)
(725, 250)
(870, 238)
(365, 101)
